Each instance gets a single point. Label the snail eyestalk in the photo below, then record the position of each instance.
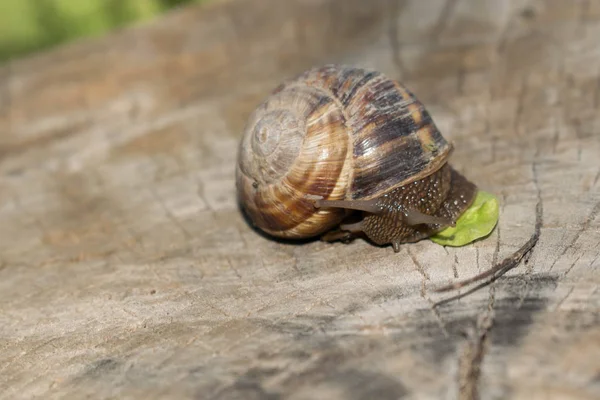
(369, 206)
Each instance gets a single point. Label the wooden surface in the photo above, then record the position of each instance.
(126, 270)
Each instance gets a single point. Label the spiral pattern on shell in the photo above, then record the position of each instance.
(334, 132)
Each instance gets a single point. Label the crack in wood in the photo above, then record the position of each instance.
(555, 137)
(595, 259)
(423, 292)
(584, 9)
(461, 77)
(596, 97)
(233, 268)
(376, 290)
(577, 127)
(560, 303)
(186, 234)
(295, 267)
(526, 278)
(497, 248)
(117, 213)
(418, 265)
(434, 36)
(596, 178)
(393, 39)
(200, 194)
(455, 266)
(572, 265)
(37, 222)
(442, 22)
(437, 316)
(421, 270)
(25, 353)
(528, 268)
(520, 103)
(472, 357)
(584, 227)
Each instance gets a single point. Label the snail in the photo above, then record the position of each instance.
(340, 152)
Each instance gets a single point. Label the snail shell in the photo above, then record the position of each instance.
(340, 133)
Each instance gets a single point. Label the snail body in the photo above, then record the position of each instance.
(340, 142)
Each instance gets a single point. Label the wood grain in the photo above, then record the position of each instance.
(127, 271)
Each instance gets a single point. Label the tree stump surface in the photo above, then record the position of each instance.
(127, 270)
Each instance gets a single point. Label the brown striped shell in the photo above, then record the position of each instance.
(334, 132)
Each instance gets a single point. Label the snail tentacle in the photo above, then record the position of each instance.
(369, 206)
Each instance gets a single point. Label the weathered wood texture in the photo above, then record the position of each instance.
(126, 270)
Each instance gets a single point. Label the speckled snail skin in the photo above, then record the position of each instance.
(341, 151)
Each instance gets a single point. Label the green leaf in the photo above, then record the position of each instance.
(476, 222)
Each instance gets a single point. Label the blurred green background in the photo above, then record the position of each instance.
(27, 26)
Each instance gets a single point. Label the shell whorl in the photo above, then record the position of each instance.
(295, 144)
(274, 137)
